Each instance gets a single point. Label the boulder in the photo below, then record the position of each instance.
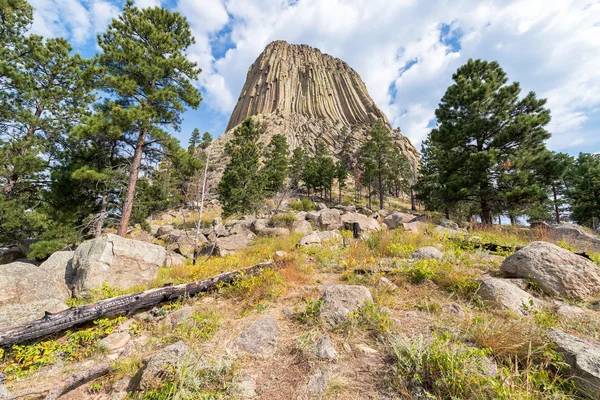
(61, 263)
(575, 235)
(330, 219)
(115, 341)
(556, 270)
(230, 244)
(117, 261)
(162, 365)
(583, 358)
(174, 259)
(260, 338)
(310, 240)
(443, 231)
(341, 300)
(258, 225)
(301, 216)
(178, 317)
(317, 384)
(164, 229)
(273, 232)
(221, 231)
(28, 291)
(10, 254)
(447, 223)
(240, 227)
(365, 223)
(500, 293)
(365, 211)
(318, 237)
(427, 253)
(312, 216)
(324, 349)
(414, 227)
(396, 219)
(302, 226)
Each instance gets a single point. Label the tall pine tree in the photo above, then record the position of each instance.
(276, 164)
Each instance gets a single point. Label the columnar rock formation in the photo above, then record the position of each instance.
(305, 95)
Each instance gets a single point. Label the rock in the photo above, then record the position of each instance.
(228, 245)
(117, 261)
(260, 338)
(363, 348)
(330, 219)
(583, 358)
(310, 240)
(568, 311)
(173, 259)
(312, 216)
(324, 349)
(446, 223)
(289, 313)
(365, 223)
(61, 262)
(500, 293)
(4, 393)
(427, 253)
(258, 225)
(384, 213)
(317, 238)
(302, 226)
(164, 229)
(317, 383)
(10, 254)
(454, 309)
(178, 317)
(385, 283)
(28, 291)
(575, 235)
(440, 230)
(115, 341)
(246, 387)
(414, 227)
(162, 365)
(321, 206)
(273, 232)
(365, 211)
(396, 219)
(341, 300)
(240, 227)
(556, 270)
(301, 215)
(221, 231)
(351, 208)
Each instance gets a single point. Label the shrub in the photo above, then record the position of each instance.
(200, 327)
(310, 315)
(302, 205)
(420, 270)
(284, 220)
(256, 288)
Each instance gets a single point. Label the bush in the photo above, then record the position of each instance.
(421, 270)
(311, 313)
(302, 205)
(285, 220)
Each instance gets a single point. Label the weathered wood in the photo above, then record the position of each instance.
(58, 322)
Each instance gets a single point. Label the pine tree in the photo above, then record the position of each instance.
(583, 180)
(481, 126)
(341, 174)
(206, 140)
(297, 163)
(276, 164)
(241, 190)
(345, 154)
(194, 141)
(148, 79)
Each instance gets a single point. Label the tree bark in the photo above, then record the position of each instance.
(369, 195)
(556, 210)
(380, 188)
(413, 203)
(133, 178)
(58, 322)
(102, 215)
(486, 213)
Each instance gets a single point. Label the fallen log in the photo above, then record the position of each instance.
(127, 304)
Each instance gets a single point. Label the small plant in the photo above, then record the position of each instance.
(421, 270)
(95, 387)
(311, 313)
(256, 288)
(302, 205)
(200, 327)
(545, 319)
(284, 220)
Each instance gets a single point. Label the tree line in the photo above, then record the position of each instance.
(487, 156)
(86, 142)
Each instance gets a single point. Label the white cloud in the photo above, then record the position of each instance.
(147, 3)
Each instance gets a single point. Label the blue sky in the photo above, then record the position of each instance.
(405, 50)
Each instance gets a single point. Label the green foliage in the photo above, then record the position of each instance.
(200, 327)
(276, 164)
(318, 171)
(256, 288)
(23, 359)
(311, 313)
(420, 270)
(305, 204)
(372, 318)
(241, 190)
(584, 189)
(484, 150)
(297, 163)
(283, 220)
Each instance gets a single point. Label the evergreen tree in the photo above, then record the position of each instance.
(276, 164)
(206, 140)
(583, 179)
(194, 141)
(481, 126)
(556, 167)
(148, 79)
(297, 163)
(341, 174)
(241, 190)
(345, 154)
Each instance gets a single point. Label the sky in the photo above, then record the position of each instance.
(405, 51)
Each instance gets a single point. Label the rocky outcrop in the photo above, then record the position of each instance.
(28, 291)
(162, 365)
(556, 270)
(427, 253)
(575, 235)
(307, 96)
(366, 224)
(260, 338)
(398, 218)
(117, 261)
(330, 219)
(502, 294)
(230, 244)
(341, 300)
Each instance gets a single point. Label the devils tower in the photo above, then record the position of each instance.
(307, 96)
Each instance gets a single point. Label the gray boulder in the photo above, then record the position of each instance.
(260, 338)
(443, 231)
(313, 216)
(341, 300)
(230, 244)
(324, 349)
(164, 229)
(556, 270)
(396, 219)
(501, 294)
(365, 223)
(447, 223)
(575, 235)
(273, 232)
(258, 225)
(414, 227)
(10, 254)
(162, 365)
(330, 219)
(28, 291)
(319, 237)
(317, 384)
(302, 226)
(117, 261)
(583, 358)
(61, 263)
(427, 253)
(174, 259)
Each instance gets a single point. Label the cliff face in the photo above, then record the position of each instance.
(307, 96)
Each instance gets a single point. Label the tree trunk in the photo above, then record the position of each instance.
(102, 215)
(556, 210)
(381, 194)
(340, 195)
(513, 220)
(486, 213)
(199, 223)
(413, 203)
(369, 195)
(133, 178)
